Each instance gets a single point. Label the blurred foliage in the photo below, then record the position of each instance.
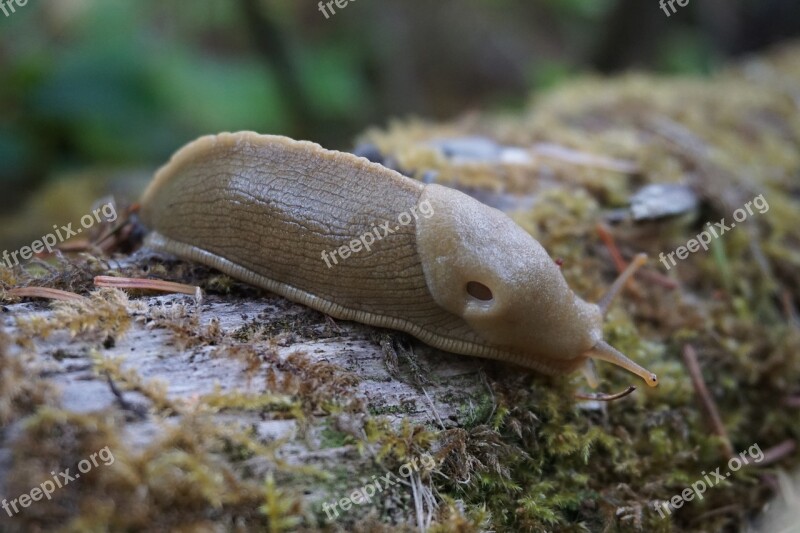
(121, 84)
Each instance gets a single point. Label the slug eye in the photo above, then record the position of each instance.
(479, 291)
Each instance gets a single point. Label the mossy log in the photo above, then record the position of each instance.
(243, 411)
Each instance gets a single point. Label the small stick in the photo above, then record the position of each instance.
(584, 159)
(661, 279)
(77, 245)
(332, 324)
(116, 229)
(778, 452)
(605, 234)
(146, 284)
(734, 508)
(602, 397)
(45, 292)
(792, 401)
(485, 381)
(620, 283)
(789, 309)
(433, 408)
(109, 233)
(706, 401)
(123, 403)
(44, 265)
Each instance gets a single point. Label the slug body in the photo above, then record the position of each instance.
(443, 267)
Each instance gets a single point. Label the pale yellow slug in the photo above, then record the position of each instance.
(466, 279)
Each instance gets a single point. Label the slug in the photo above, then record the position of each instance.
(441, 266)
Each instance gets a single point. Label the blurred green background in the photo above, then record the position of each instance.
(94, 92)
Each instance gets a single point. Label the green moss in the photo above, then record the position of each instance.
(331, 438)
(21, 392)
(404, 408)
(521, 454)
(475, 411)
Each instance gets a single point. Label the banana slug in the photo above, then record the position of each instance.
(265, 209)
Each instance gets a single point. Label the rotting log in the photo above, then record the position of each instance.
(244, 411)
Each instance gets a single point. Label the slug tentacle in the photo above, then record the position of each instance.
(604, 351)
(590, 373)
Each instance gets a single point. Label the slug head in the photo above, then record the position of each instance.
(483, 267)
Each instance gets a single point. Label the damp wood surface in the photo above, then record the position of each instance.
(187, 373)
(190, 374)
(244, 411)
